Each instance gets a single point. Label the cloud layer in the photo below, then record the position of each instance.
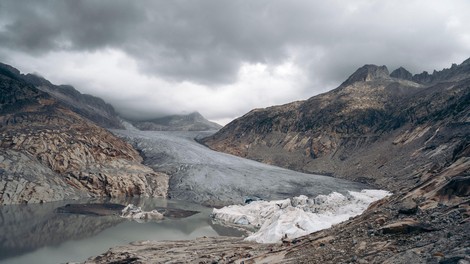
(223, 58)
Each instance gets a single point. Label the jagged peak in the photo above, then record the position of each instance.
(467, 61)
(401, 73)
(368, 72)
(455, 72)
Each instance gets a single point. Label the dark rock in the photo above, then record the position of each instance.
(401, 73)
(457, 186)
(366, 73)
(408, 206)
(92, 209)
(252, 199)
(406, 226)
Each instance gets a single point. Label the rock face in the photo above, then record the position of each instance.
(192, 122)
(371, 128)
(401, 73)
(454, 73)
(50, 152)
(367, 73)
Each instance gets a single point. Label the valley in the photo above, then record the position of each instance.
(377, 130)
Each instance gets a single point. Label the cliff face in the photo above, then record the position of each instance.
(49, 152)
(373, 128)
(191, 122)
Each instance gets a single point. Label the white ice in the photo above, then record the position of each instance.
(297, 216)
(133, 212)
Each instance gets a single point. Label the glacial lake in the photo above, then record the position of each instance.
(36, 233)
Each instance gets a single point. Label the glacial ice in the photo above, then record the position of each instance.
(203, 176)
(133, 212)
(297, 216)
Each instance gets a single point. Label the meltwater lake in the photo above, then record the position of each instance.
(37, 233)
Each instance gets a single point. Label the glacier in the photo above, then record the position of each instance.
(298, 216)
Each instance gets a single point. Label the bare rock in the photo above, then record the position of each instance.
(408, 206)
(405, 226)
(50, 152)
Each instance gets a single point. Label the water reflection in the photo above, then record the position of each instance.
(36, 233)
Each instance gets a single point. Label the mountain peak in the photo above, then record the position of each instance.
(368, 72)
(184, 122)
(401, 73)
(9, 71)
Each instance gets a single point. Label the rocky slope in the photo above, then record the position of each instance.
(372, 128)
(88, 106)
(191, 122)
(411, 137)
(49, 152)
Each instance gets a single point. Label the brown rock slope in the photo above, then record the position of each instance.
(48, 152)
(373, 128)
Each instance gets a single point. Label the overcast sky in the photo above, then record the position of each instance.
(224, 58)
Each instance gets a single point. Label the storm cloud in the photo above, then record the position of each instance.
(220, 57)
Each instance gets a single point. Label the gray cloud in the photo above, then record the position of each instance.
(208, 41)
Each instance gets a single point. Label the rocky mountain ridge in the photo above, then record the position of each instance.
(190, 122)
(50, 152)
(88, 106)
(367, 129)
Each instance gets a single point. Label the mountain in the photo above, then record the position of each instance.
(373, 128)
(88, 106)
(49, 151)
(191, 122)
(409, 136)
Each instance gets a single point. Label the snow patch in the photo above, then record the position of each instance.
(297, 216)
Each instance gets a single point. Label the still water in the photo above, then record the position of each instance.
(36, 233)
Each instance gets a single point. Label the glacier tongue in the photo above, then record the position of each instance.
(297, 216)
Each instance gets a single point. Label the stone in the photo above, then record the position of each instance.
(405, 226)
(401, 73)
(408, 206)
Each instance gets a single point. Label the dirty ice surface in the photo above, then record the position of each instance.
(298, 216)
(204, 176)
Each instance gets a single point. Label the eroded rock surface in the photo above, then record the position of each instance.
(49, 152)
